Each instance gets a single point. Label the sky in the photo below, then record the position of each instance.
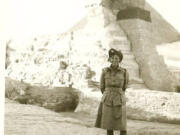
(24, 18)
(169, 9)
(30, 17)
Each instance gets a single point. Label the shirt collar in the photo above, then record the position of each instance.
(116, 69)
(111, 68)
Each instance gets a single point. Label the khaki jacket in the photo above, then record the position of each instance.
(113, 84)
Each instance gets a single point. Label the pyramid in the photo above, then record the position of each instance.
(140, 28)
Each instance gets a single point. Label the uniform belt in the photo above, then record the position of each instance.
(113, 87)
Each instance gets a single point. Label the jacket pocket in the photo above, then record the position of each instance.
(107, 80)
(117, 101)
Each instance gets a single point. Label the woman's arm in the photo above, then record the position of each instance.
(102, 81)
(126, 80)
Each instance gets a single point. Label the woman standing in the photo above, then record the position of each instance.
(113, 83)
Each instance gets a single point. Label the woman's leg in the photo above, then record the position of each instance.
(123, 132)
(110, 132)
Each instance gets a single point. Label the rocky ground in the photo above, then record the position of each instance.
(33, 120)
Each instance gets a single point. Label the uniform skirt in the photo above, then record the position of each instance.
(111, 117)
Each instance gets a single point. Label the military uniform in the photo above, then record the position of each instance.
(112, 109)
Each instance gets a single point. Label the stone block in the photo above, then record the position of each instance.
(153, 105)
(133, 72)
(142, 104)
(120, 45)
(115, 33)
(128, 56)
(58, 99)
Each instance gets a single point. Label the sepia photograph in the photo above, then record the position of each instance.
(90, 67)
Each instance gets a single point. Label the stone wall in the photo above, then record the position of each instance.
(144, 104)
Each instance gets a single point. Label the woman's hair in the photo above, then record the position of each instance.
(113, 52)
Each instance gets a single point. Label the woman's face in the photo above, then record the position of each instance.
(114, 60)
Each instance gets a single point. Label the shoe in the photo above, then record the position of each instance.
(110, 132)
